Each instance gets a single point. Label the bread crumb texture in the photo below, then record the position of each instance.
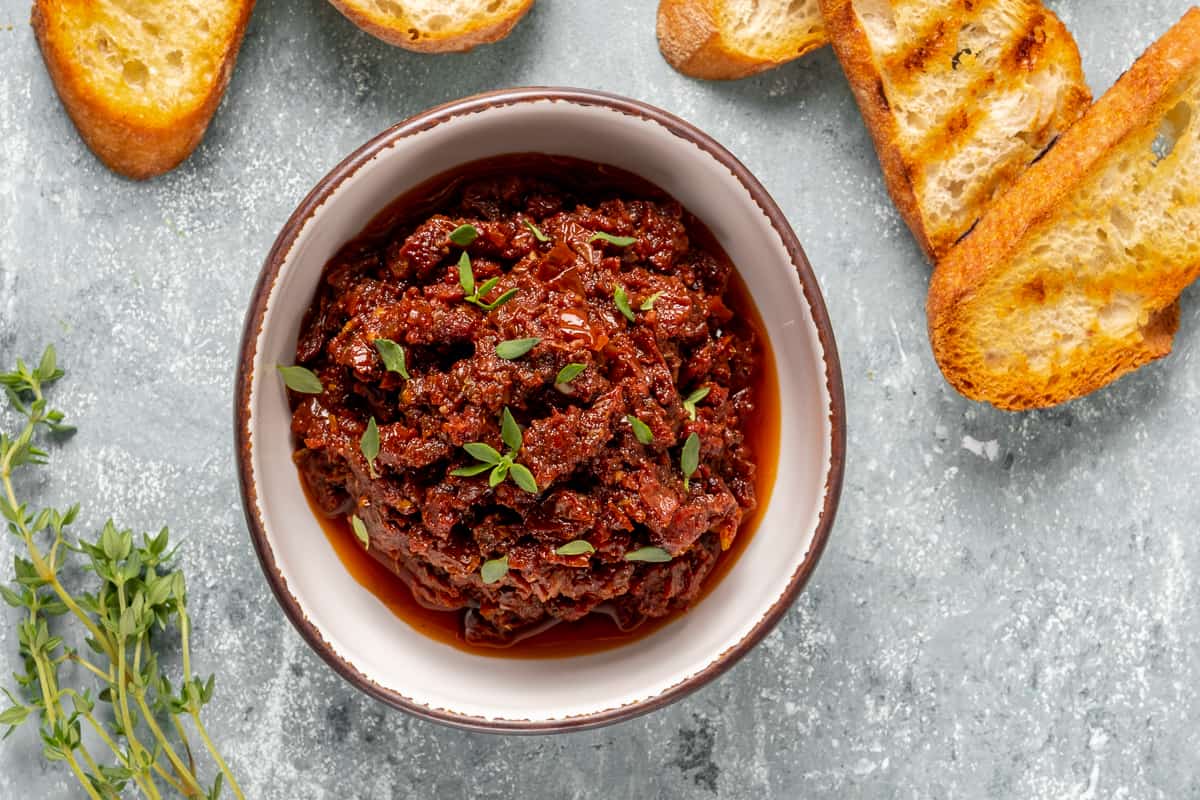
(772, 30)
(730, 39)
(151, 58)
(434, 20)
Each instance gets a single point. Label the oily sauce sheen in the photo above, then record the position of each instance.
(549, 637)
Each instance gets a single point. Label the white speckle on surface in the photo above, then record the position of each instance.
(989, 449)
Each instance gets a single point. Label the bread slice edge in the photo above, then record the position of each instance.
(459, 39)
(691, 41)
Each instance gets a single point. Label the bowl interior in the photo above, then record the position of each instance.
(401, 665)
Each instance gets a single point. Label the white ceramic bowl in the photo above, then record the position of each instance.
(351, 629)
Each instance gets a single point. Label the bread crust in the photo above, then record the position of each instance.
(401, 32)
(1142, 95)
(691, 41)
(853, 48)
(125, 141)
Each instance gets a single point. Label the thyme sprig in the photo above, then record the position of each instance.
(475, 294)
(137, 596)
(500, 466)
(689, 402)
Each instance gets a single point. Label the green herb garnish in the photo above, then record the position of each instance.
(500, 466)
(466, 277)
(689, 459)
(515, 348)
(616, 241)
(578, 547)
(621, 299)
(393, 357)
(655, 555)
(524, 478)
(135, 597)
(494, 570)
(648, 303)
(474, 294)
(541, 237)
(641, 431)
(464, 235)
(369, 444)
(360, 531)
(510, 431)
(689, 402)
(300, 379)
(569, 373)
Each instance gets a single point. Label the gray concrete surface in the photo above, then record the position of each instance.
(1008, 604)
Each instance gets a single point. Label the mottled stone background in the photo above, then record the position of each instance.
(1007, 607)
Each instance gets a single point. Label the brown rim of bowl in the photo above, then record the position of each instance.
(245, 375)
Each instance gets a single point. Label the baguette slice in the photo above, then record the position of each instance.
(141, 80)
(435, 26)
(1071, 279)
(960, 97)
(727, 39)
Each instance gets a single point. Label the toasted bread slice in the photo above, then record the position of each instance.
(141, 80)
(435, 26)
(960, 97)
(1070, 279)
(726, 39)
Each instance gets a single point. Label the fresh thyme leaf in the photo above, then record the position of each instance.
(510, 431)
(300, 379)
(616, 241)
(500, 472)
(494, 570)
(569, 373)
(14, 716)
(483, 289)
(499, 301)
(483, 452)
(466, 278)
(648, 303)
(654, 555)
(515, 348)
(541, 237)
(472, 471)
(689, 459)
(523, 477)
(360, 531)
(393, 357)
(464, 235)
(689, 402)
(578, 547)
(641, 431)
(621, 299)
(369, 444)
(48, 367)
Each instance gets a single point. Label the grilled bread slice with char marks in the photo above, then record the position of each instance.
(1070, 280)
(960, 97)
